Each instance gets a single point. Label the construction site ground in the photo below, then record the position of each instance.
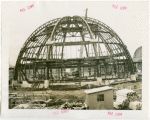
(78, 94)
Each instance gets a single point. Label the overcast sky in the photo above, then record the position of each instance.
(131, 24)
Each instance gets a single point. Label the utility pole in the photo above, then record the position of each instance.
(86, 14)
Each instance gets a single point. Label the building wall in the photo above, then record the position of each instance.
(91, 100)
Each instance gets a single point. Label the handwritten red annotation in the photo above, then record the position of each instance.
(60, 112)
(121, 7)
(28, 7)
(116, 114)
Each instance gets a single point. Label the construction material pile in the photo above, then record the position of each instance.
(136, 105)
(30, 106)
(124, 97)
(74, 106)
(54, 102)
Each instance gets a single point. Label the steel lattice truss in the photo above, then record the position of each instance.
(90, 39)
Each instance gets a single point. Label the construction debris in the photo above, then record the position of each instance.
(74, 106)
(74, 100)
(124, 97)
(24, 99)
(136, 105)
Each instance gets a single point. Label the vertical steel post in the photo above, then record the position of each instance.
(34, 72)
(51, 76)
(25, 71)
(105, 72)
(41, 74)
(100, 70)
(47, 72)
(48, 52)
(118, 70)
(79, 67)
(44, 73)
(112, 71)
(83, 71)
(97, 68)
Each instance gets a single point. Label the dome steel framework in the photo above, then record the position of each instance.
(88, 45)
(137, 59)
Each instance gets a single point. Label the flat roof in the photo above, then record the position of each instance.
(98, 89)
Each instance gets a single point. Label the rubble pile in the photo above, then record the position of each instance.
(20, 101)
(54, 102)
(74, 106)
(36, 106)
(133, 97)
(124, 97)
(30, 106)
(136, 105)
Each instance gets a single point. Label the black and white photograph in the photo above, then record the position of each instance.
(66, 56)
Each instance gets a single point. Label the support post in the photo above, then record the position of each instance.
(89, 70)
(100, 70)
(118, 71)
(79, 67)
(105, 72)
(51, 50)
(34, 73)
(48, 53)
(51, 76)
(61, 72)
(115, 69)
(47, 72)
(29, 72)
(97, 68)
(112, 71)
(44, 73)
(83, 71)
(25, 71)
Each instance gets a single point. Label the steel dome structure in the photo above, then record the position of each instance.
(73, 42)
(137, 59)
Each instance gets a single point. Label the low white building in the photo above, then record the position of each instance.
(99, 98)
